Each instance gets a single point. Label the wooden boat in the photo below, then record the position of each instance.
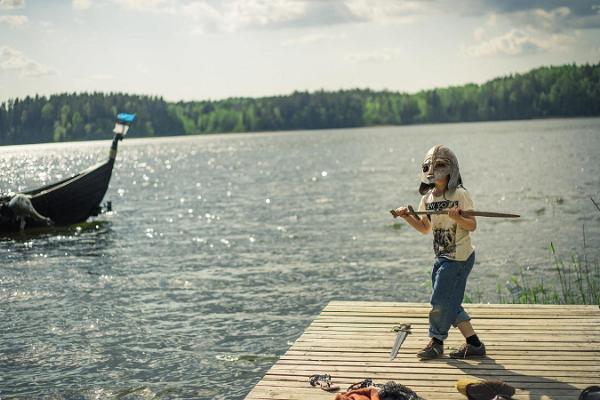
(69, 201)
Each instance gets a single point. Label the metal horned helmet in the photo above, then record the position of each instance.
(439, 162)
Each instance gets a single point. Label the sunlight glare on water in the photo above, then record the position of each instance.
(221, 249)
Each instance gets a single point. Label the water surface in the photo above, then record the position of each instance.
(222, 248)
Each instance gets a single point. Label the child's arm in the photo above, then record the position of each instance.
(467, 223)
(464, 203)
(422, 224)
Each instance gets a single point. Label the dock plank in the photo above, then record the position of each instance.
(547, 352)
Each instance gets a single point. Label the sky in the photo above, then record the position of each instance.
(214, 49)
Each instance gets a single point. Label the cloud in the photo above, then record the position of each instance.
(516, 42)
(387, 11)
(559, 19)
(13, 60)
(375, 56)
(527, 27)
(238, 15)
(312, 38)
(11, 4)
(247, 14)
(205, 16)
(579, 7)
(157, 6)
(554, 15)
(81, 4)
(14, 20)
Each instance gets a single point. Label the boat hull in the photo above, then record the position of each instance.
(67, 202)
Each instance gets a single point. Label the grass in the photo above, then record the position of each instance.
(576, 281)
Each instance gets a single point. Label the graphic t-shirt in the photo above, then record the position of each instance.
(449, 240)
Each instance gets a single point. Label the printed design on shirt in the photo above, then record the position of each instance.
(444, 243)
(444, 238)
(441, 205)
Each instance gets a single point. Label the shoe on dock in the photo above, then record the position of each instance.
(468, 350)
(431, 351)
(484, 390)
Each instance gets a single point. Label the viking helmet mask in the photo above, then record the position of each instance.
(439, 162)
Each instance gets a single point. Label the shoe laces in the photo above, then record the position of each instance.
(464, 349)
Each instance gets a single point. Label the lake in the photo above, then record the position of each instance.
(221, 249)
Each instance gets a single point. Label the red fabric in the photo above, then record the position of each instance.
(359, 394)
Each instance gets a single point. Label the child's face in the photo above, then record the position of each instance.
(436, 170)
(442, 183)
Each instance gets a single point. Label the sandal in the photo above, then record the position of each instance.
(324, 382)
(363, 384)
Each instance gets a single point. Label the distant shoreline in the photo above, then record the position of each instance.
(547, 92)
(134, 138)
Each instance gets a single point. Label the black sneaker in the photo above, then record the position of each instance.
(431, 351)
(468, 350)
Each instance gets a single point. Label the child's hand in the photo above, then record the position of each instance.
(454, 213)
(400, 212)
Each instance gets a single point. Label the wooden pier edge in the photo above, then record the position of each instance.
(545, 351)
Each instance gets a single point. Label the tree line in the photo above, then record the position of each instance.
(557, 91)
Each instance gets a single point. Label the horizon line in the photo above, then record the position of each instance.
(507, 75)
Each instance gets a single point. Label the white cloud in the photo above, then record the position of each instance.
(523, 32)
(205, 17)
(238, 15)
(13, 60)
(81, 4)
(14, 20)
(312, 38)
(260, 13)
(375, 56)
(517, 42)
(157, 6)
(11, 4)
(387, 10)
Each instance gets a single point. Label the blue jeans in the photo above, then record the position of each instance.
(449, 279)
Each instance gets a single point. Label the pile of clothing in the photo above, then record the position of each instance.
(473, 389)
(366, 390)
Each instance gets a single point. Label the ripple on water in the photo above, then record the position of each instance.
(221, 249)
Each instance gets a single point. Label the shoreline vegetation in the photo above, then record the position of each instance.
(546, 92)
(575, 281)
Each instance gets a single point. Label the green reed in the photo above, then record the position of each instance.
(576, 281)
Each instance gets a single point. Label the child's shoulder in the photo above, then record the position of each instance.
(460, 192)
(460, 189)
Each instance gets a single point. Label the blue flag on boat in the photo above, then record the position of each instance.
(125, 118)
(123, 122)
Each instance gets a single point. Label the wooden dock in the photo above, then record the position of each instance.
(545, 351)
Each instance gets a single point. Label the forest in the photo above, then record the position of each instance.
(555, 91)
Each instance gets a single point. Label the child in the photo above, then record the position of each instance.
(441, 187)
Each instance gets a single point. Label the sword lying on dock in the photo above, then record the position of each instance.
(402, 331)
